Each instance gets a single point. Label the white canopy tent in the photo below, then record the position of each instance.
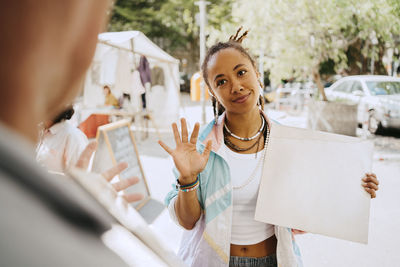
(117, 55)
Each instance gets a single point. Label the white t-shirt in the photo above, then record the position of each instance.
(61, 147)
(246, 230)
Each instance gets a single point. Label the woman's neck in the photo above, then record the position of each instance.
(244, 124)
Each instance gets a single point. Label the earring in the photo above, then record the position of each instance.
(216, 112)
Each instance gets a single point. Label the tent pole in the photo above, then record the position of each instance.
(129, 50)
(202, 9)
(133, 53)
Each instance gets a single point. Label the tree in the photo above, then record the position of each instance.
(298, 36)
(169, 23)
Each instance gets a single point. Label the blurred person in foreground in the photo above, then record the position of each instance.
(46, 50)
(219, 172)
(60, 143)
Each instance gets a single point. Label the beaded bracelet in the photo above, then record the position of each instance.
(189, 187)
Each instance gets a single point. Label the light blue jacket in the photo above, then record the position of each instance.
(208, 243)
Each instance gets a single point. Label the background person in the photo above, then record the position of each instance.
(219, 176)
(109, 98)
(61, 143)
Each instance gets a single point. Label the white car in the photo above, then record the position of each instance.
(378, 99)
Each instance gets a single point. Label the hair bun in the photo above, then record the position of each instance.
(236, 38)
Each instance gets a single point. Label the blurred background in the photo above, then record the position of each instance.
(301, 48)
(328, 65)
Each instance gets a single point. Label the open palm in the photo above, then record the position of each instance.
(83, 163)
(187, 159)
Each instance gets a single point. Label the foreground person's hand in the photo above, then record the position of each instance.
(109, 174)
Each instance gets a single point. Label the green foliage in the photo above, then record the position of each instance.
(297, 36)
(143, 16)
(327, 67)
(171, 23)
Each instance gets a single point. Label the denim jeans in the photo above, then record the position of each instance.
(267, 261)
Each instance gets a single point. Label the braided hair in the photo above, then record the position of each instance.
(235, 42)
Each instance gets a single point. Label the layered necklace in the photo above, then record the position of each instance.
(246, 138)
(239, 149)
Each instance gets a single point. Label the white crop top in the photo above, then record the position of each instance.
(246, 230)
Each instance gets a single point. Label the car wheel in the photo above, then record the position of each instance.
(373, 123)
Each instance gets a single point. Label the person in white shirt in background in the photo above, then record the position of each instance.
(61, 143)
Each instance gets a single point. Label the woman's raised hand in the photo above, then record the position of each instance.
(187, 159)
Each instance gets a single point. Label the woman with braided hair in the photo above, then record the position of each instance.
(219, 171)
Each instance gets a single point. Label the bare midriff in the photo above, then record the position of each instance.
(262, 249)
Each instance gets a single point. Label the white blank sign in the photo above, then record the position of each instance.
(312, 182)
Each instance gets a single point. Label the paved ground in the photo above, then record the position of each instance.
(384, 234)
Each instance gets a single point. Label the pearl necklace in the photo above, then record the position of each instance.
(260, 163)
(246, 138)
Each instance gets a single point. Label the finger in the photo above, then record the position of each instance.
(369, 178)
(370, 175)
(166, 148)
(371, 192)
(176, 133)
(298, 232)
(133, 197)
(207, 150)
(84, 158)
(184, 131)
(371, 185)
(195, 133)
(374, 179)
(125, 183)
(110, 173)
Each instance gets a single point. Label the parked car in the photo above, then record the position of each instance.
(378, 99)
